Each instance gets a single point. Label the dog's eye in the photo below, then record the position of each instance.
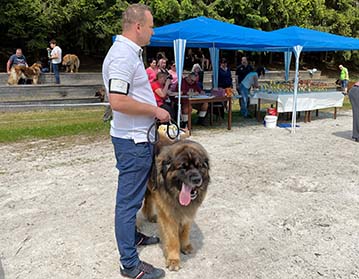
(183, 165)
(201, 163)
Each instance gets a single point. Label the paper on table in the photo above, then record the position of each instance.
(202, 96)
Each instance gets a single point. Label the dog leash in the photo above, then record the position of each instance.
(172, 131)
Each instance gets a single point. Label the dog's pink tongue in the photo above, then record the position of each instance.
(185, 195)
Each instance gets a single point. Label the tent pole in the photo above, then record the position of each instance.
(297, 51)
(179, 46)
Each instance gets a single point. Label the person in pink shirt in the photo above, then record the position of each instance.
(152, 70)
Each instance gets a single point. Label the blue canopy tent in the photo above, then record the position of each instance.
(206, 32)
(313, 40)
(303, 39)
(202, 32)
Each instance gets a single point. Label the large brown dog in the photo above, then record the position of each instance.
(17, 72)
(71, 62)
(177, 188)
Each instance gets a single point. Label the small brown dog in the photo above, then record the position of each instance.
(17, 72)
(71, 62)
(100, 93)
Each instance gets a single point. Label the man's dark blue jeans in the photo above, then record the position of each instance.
(134, 163)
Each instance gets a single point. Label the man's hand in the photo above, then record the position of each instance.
(162, 115)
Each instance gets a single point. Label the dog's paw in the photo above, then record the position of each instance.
(173, 264)
(187, 249)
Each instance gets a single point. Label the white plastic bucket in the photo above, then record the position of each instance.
(270, 121)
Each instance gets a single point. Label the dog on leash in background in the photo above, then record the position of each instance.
(71, 62)
(22, 72)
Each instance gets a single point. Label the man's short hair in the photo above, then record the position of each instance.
(134, 13)
(53, 42)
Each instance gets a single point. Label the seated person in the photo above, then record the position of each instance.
(197, 70)
(160, 87)
(152, 70)
(162, 65)
(17, 59)
(189, 84)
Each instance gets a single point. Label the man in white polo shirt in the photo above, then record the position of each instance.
(134, 110)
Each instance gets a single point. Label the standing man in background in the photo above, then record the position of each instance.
(242, 70)
(56, 58)
(344, 78)
(134, 110)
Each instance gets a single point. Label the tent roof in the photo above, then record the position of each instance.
(313, 40)
(207, 32)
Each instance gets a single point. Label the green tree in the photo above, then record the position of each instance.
(86, 26)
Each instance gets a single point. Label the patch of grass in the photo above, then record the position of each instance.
(18, 126)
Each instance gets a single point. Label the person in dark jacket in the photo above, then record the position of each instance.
(224, 75)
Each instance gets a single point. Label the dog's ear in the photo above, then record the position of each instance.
(152, 180)
(162, 169)
(206, 163)
(158, 173)
(166, 164)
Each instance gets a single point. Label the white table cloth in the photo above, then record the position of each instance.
(305, 101)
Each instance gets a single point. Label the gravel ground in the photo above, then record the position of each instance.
(279, 205)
